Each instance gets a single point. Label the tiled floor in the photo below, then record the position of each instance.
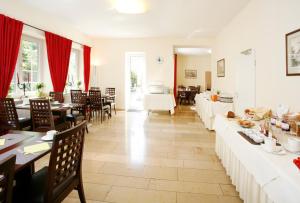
(135, 158)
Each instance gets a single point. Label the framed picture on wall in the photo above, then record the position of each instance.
(190, 74)
(221, 68)
(292, 41)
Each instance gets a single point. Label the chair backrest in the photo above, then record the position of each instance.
(7, 168)
(57, 96)
(192, 95)
(198, 89)
(41, 115)
(76, 96)
(95, 97)
(192, 88)
(65, 162)
(8, 114)
(110, 91)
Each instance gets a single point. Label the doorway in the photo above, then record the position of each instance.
(135, 80)
(245, 82)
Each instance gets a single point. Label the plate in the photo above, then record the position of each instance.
(279, 150)
(47, 138)
(291, 151)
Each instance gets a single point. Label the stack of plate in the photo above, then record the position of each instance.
(226, 99)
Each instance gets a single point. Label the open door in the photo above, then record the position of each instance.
(245, 82)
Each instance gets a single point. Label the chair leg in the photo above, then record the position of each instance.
(115, 109)
(101, 116)
(81, 192)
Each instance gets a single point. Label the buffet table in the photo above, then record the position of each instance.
(259, 176)
(207, 109)
(159, 102)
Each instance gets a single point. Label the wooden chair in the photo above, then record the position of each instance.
(181, 96)
(57, 96)
(198, 89)
(76, 96)
(9, 119)
(64, 173)
(191, 97)
(97, 105)
(42, 118)
(111, 100)
(80, 109)
(7, 168)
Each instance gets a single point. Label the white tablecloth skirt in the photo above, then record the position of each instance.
(159, 102)
(259, 177)
(207, 109)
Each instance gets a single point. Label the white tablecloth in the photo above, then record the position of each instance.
(259, 176)
(159, 102)
(207, 109)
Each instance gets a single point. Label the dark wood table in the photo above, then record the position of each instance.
(15, 141)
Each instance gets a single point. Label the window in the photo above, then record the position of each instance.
(28, 65)
(73, 74)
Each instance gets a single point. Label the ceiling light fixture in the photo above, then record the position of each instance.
(130, 6)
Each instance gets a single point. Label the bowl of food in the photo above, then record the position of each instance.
(246, 123)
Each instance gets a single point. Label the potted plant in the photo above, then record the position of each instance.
(39, 88)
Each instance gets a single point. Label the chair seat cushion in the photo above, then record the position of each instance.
(38, 183)
(25, 122)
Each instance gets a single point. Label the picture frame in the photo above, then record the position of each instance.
(190, 74)
(292, 44)
(221, 68)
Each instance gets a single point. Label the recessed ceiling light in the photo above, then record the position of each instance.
(130, 6)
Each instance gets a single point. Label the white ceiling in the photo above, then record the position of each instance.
(193, 51)
(164, 18)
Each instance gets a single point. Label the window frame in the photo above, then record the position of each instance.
(39, 42)
(77, 53)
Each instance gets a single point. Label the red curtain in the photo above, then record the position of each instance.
(10, 38)
(87, 66)
(175, 76)
(59, 51)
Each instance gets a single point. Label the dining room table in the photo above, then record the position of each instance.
(28, 147)
(16, 142)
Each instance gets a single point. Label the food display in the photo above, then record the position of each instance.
(257, 114)
(246, 123)
(293, 120)
(230, 114)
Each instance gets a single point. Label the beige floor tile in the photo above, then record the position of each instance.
(130, 195)
(210, 165)
(166, 173)
(92, 191)
(229, 190)
(196, 198)
(133, 157)
(199, 198)
(183, 186)
(206, 176)
(100, 178)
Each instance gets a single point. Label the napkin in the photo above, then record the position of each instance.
(2, 141)
(36, 148)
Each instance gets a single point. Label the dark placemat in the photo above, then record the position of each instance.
(252, 141)
(248, 138)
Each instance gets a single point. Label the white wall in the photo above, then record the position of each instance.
(201, 63)
(262, 26)
(16, 9)
(109, 55)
